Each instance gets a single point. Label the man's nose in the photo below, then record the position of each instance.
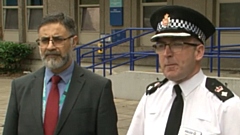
(167, 51)
(50, 44)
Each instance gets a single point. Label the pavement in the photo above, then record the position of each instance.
(125, 108)
(4, 97)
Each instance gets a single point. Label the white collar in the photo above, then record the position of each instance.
(189, 85)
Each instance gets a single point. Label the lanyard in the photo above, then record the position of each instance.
(44, 98)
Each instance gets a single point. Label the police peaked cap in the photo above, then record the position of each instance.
(180, 21)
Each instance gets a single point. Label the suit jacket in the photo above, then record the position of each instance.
(87, 110)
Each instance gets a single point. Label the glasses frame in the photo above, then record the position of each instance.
(169, 44)
(52, 40)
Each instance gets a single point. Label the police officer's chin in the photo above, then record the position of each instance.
(175, 79)
(172, 74)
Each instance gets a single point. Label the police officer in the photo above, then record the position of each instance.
(186, 102)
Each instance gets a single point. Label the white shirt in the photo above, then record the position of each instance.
(203, 114)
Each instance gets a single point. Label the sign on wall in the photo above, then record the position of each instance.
(116, 12)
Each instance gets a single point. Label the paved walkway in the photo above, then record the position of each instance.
(125, 108)
(4, 97)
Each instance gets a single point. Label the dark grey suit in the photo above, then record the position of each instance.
(88, 108)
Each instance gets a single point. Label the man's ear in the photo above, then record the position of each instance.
(200, 50)
(74, 41)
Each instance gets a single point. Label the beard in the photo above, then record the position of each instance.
(55, 62)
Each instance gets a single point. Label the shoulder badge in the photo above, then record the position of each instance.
(151, 88)
(217, 88)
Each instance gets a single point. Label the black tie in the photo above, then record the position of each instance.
(175, 116)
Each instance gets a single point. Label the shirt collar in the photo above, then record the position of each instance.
(65, 75)
(189, 85)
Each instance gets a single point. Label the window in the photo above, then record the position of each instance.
(10, 14)
(89, 15)
(90, 19)
(148, 7)
(35, 2)
(229, 15)
(87, 2)
(154, 1)
(34, 13)
(147, 12)
(10, 3)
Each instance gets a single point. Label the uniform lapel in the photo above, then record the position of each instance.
(37, 87)
(75, 87)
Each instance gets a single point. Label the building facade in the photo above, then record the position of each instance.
(19, 18)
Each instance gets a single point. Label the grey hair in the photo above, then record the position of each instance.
(59, 17)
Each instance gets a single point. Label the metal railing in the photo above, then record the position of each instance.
(109, 57)
(214, 51)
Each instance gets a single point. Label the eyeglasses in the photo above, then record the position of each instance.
(57, 41)
(173, 46)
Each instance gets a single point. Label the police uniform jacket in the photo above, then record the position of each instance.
(210, 108)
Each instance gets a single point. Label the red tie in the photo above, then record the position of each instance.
(52, 107)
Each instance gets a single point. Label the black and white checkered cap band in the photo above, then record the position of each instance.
(188, 26)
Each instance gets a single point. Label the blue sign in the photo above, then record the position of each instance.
(116, 12)
(116, 16)
(119, 36)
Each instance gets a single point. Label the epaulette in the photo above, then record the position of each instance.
(218, 89)
(151, 88)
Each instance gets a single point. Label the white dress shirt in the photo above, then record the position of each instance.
(204, 113)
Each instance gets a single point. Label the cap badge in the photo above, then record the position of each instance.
(165, 21)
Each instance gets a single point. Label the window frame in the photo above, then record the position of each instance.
(80, 16)
(33, 5)
(4, 8)
(218, 9)
(27, 13)
(153, 2)
(3, 1)
(149, 4)
(79, 3)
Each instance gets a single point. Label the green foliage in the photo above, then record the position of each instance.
(12, 54)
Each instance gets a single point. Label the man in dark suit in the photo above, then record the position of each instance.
(61, 98)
